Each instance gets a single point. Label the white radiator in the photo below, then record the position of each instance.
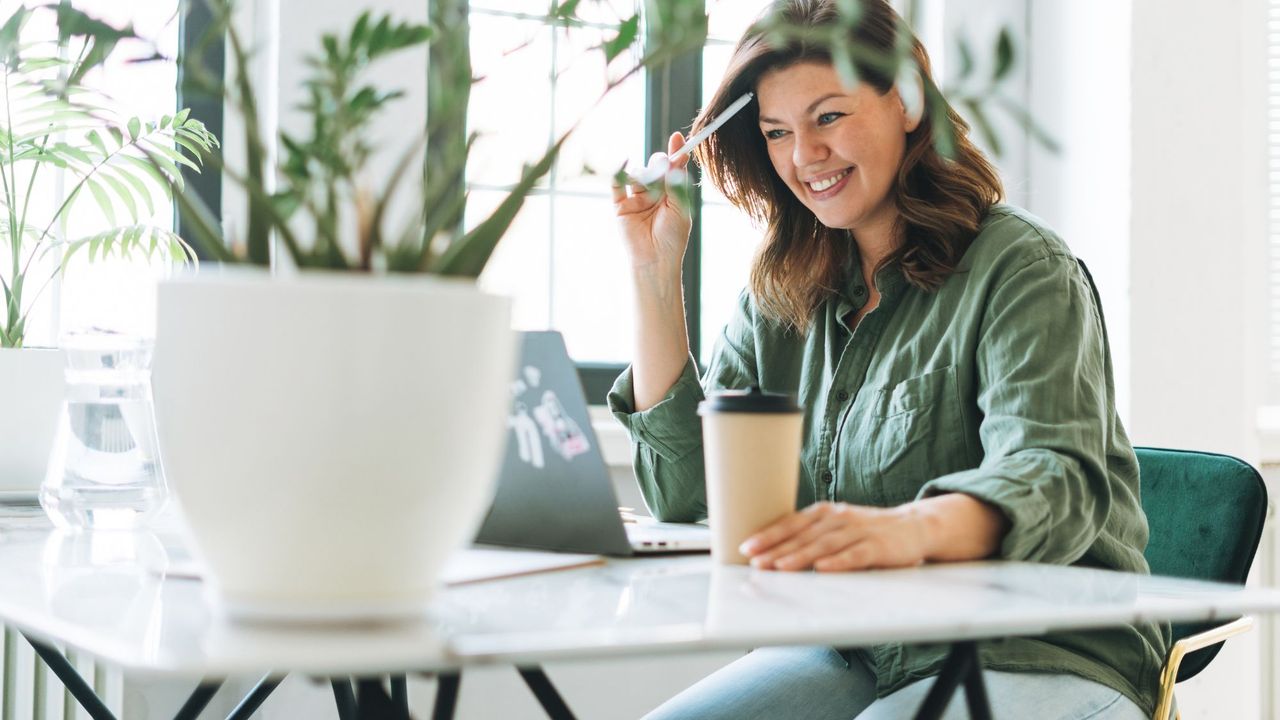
(31, 692)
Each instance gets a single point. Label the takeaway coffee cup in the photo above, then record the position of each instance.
(751, 442)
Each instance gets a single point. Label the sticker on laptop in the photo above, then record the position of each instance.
(562, 432)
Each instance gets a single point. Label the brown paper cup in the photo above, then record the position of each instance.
(751, 444)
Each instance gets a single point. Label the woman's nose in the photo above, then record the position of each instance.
(808, 149)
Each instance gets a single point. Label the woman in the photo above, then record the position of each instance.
(952, 361)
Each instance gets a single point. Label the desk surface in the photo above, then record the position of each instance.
(103, 595)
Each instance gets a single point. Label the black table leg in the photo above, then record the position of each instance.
(961, 666)
(975, 691)
(546, 693)
(345, 698)
(446, 695)
(255, 698)
(72, 680)
(199, 698)
(400, 694)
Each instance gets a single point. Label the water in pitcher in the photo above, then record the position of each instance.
(105, 469)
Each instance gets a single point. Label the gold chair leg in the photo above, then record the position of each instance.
(1191, 643)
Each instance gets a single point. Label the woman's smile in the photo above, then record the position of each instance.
(828, 185)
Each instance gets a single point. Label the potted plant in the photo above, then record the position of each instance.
(332, 431)
(55, 123)
(332, 428)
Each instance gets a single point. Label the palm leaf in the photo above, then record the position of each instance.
(100, 196)
(127, 240)
(122, 192)
(140, 188)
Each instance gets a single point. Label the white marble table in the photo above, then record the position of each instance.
(106, 595)
(687, 604)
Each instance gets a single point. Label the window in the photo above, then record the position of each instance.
(728, 237)
(563, 262)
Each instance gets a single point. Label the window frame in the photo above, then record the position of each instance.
(193, 26)
(673, 96)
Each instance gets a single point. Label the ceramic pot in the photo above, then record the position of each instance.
(331, 439)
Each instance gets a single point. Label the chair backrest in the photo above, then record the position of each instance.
(1206, 513)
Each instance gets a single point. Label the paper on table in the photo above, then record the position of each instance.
(469, 565)
(476, 564)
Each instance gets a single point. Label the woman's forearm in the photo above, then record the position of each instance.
(958, 527)
(661, 339)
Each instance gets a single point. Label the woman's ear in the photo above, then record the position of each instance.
(911, 94)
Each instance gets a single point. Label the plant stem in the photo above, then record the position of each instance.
(31, 183)
(259, 229)
(13, 293)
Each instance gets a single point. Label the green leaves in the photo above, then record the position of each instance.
(843, 61)
(627, 33)
(130, 241)
(978, 95)
(467, 256)
(100, 38)
(1004, 55)
(11, 34)
(676, 26)
(566, 10)
(53, 122)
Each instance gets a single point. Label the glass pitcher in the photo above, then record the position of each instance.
(104, 470)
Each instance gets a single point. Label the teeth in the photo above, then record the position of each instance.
(821, 185)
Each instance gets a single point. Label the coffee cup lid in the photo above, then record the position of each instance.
(751, 400)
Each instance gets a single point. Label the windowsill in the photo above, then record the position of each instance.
(615, 444)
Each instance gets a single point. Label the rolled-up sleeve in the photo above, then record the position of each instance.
(666, 444)
(666, 439)
(1044, 401)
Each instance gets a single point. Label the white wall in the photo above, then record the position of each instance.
(1073, 78)
(1078, 90)
(1198, 241)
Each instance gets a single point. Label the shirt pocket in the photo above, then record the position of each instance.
(917, 433)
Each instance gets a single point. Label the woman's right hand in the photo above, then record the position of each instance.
(656, 230)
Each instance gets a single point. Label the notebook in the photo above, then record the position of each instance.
(554, 490)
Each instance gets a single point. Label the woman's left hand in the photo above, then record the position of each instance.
(838, 536)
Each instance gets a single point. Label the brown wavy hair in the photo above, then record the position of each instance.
(940, 200)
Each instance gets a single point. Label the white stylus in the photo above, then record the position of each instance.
(659, 164)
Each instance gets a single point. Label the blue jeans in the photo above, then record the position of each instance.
(815, 683)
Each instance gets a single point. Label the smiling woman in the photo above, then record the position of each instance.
(940, 201)
(948, 350)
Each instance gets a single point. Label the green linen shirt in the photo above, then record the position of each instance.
(997, 385)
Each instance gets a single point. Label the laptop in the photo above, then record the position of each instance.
(554, 490)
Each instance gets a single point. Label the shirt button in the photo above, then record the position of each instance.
(827, 477)
(858, 291)
(842, 396)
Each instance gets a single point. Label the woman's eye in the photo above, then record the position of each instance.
(774, 134)
(828, 118)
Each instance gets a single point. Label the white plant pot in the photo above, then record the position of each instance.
(32, 388)
(331, 439)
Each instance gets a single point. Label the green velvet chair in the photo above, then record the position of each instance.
(1206, 513)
